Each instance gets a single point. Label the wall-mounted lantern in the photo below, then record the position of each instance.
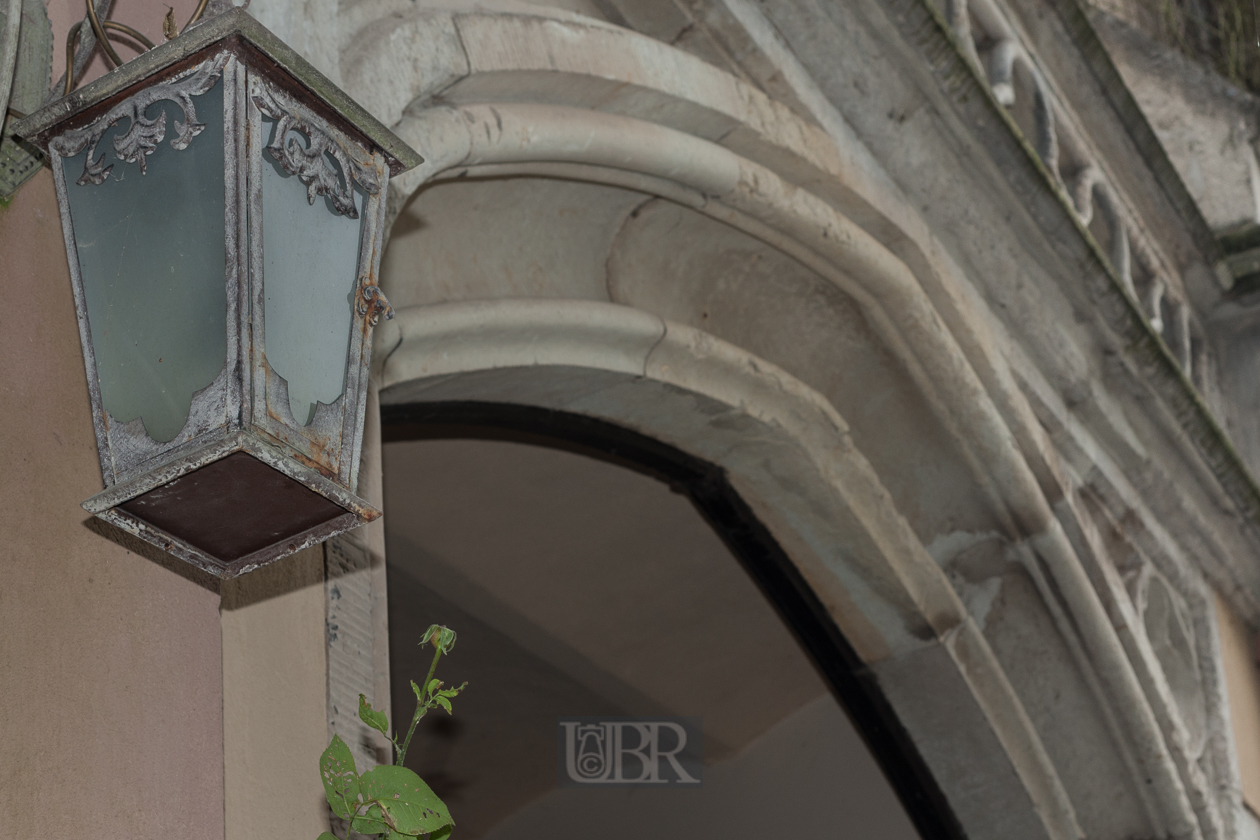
(223, 206)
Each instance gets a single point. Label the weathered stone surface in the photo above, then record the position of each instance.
(1206, 125)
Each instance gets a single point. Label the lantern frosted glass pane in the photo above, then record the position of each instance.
(310, 265)
(152, 257)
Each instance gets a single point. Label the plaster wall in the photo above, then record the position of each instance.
(275, 721)
(110, 699)
(1243, 682)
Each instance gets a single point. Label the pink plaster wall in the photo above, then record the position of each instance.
(110, 663)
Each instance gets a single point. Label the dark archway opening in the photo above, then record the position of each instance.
(707, 487)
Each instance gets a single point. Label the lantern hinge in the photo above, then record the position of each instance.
(373, 303)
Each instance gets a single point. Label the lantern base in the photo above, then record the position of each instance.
(232, 507)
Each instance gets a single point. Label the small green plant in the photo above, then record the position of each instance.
(390, 799)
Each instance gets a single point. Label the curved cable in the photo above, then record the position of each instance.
(101, 37)
(72, 40)
(196, 15)
(134, 34)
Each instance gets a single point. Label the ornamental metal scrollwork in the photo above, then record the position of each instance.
(142, 137)
(310, 163)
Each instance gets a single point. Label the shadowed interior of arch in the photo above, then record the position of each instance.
(593, 571)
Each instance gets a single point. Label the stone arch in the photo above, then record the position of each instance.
(517, 96)
(822, 501)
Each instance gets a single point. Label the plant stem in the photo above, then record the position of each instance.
(354, 812)
(421, 707)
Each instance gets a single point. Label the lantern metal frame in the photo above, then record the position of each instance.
(246, 408)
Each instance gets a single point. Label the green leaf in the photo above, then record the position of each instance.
(451, 692)
(324, 835)
(373, 822)
(440, 637)
(341, 782)
(447, 640)
(408, 805)
(416, 689)
(433, 685)
(373, 718)
(442, 833)
(444, 703)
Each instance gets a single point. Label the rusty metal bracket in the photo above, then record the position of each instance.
(372, 302)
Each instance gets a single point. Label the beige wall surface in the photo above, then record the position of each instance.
(275, 723)
(110, 662)
(1243, 683)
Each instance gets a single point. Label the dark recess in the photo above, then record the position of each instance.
(853, 684)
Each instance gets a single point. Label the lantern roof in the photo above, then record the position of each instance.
(256, 46)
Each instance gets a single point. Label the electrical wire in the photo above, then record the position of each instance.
(201, 8)
(134, 34)
(72, 39)
(101, 37)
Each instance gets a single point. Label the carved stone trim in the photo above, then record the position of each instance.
(310, 163)
(144, 134)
